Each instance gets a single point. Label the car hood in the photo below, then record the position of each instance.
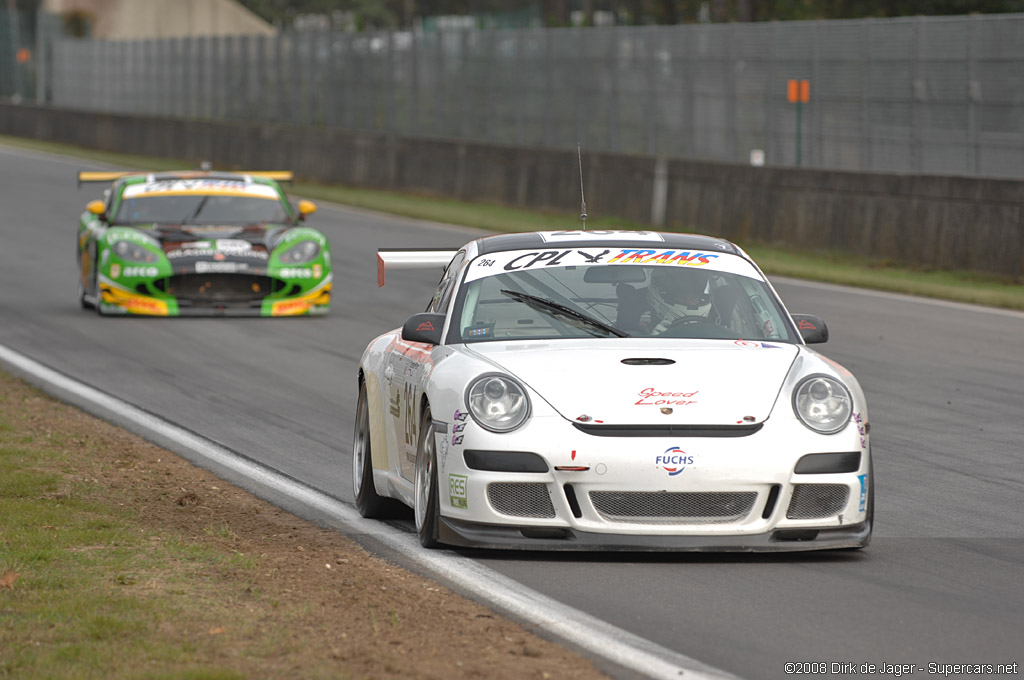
(217, 248)
(650, 382)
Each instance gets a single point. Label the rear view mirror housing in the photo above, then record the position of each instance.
(812, 328)
(97, 208)
(424, 327)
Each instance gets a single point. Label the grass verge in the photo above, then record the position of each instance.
(829, 267)
(120, 560)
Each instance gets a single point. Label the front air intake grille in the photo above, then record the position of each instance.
(520, 499)
(644, 361)
(213, 289)
(667, 507)
(815, 501)
(668, 430)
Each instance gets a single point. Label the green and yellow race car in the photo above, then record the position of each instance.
(200, 243)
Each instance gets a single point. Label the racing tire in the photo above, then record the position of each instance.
(425, 497)
(81, 296)
(369, 503)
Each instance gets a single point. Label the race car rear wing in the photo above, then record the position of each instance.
(111, 175)
(411, 258)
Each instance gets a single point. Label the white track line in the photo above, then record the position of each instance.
(586, 632)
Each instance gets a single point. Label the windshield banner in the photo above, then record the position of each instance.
(199, 186)
(521, 260)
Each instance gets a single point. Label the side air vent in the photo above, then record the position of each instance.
(520, 499)
(648, 362)
(817, 501)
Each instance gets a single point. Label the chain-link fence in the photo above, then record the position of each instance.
(923, 95)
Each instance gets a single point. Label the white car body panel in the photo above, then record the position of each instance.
(698, 387)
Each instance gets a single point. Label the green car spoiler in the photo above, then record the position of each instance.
(106, 176)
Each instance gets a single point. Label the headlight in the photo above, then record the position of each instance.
(822, 404)
(498, 403)
(301, 252)
(133, 252)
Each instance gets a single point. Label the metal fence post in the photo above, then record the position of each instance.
(973, 97)
(917, 98)
(817, 136)
(415, 117)
(690, 94)
(650, 131)
(463, 84)
(548, 87)
(867, 141)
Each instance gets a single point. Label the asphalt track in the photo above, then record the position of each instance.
(942, 582)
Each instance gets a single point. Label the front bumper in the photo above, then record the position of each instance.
(472, 535)
(584, 492)
(213, 295)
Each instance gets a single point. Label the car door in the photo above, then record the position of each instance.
(406, 367)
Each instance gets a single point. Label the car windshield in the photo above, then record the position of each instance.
(695, 295)
(194, 208)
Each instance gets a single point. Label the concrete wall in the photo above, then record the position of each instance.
(941, 222)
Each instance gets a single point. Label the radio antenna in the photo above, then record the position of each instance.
(583, 198)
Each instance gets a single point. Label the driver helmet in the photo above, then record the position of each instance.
(675, 293)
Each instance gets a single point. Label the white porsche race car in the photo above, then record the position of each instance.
(617, 390)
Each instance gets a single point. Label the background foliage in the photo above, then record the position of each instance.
(387, 14)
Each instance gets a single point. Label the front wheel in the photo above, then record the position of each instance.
(369, 503)
(425, 496)
(83, 297)
(82, 300)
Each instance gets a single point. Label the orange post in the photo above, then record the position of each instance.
(798, 92)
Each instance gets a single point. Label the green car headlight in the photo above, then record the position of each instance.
(304, 251)
(130, 251)
(498, 403)
(822, 404)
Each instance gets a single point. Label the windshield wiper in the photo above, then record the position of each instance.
(552, 306)
(195, 213)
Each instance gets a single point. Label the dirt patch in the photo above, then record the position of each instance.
(326, 606)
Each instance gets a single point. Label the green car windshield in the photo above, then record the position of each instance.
(200, 209)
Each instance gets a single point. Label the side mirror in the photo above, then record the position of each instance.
(306, 208)
(425, 327)
(97, 208)
(812, 329)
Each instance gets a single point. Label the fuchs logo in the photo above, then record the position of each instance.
(673, 461)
